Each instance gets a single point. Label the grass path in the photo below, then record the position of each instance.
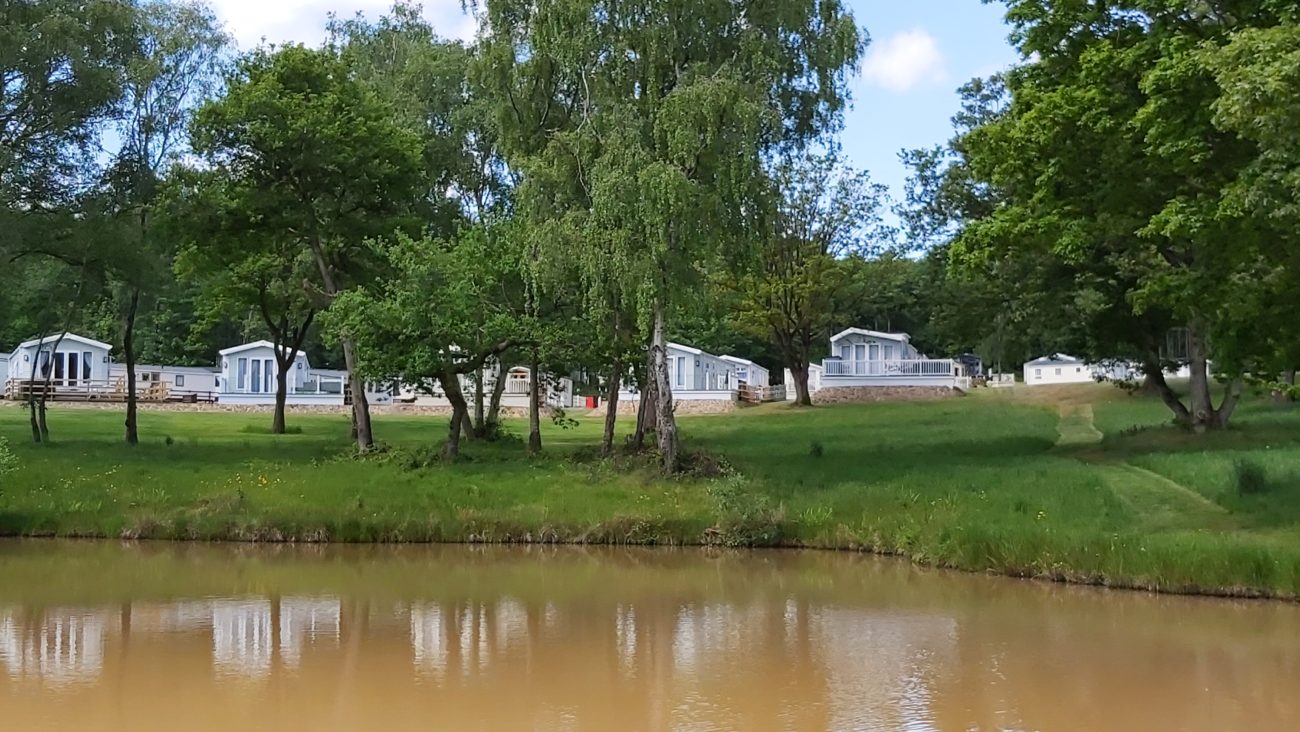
(1164, 503)
(1076, 427)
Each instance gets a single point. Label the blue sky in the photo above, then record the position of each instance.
(920, 52)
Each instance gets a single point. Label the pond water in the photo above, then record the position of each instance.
(106, 636)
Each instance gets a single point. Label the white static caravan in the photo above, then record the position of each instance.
(694, 376)
(79, 362)
(867, 358)
(555, 391)
(747, 372)
(690, 369)
(248, 376)
(200, 383)
(1058, 368)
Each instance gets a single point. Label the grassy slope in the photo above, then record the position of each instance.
(977, 483)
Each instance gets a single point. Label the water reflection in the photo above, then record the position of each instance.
(56, 646)
(456, 638)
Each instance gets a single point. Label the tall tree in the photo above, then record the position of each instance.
(178, 65)
(305, 153)
(641, 129)
(1111, 172)
(825, 212)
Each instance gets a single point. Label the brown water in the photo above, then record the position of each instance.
(102, 636)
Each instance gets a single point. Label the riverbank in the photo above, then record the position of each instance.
(1080, 484)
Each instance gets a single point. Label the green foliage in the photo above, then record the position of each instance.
(300, 154)
(745, 517)
(63, 63)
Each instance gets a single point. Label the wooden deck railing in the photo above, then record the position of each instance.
(918, 367)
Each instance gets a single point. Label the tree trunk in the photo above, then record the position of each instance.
(498, 389)
(480, 417)
(665, 422)
(459, 412)
(1202, 401)
(360, 406)
(467, 425)
(451, 450)
(611, 408)
(1155, 381)
(31, 392)
(645, 411)
(128, 351)
(534, 408)
(799, 372)
(31, 407)
(281, 395)
(362, 429)
(47, 384)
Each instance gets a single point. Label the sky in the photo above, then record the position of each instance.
(904, 94)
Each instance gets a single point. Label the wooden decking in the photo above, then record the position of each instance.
(98, 391)
(760, 394)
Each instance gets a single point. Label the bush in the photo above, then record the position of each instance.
(1251, 479)
(745, 518)
(816, 449)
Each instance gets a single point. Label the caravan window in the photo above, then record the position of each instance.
(85, 364)
(1058, 372)
(180, 380)
(241, 374)
(681, 371)
(1038, 373)
(257, 376)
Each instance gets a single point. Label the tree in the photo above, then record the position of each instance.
(437, 316)
(1110, 171)
(240, 273)
(305, 153)
(178, 64)
(63, 64)
(795, 295)
(1259, 100)
(641, 128)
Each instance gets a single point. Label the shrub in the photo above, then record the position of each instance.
(816, 449)
(745, 518)
(1250, 478)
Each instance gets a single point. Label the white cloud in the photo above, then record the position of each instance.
(303, 21)
(905, 61)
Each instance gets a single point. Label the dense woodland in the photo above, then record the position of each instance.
(588, 180)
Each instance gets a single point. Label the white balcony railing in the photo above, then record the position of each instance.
(919, 367)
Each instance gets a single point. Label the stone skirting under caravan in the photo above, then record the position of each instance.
(681, 406)
(862, 394)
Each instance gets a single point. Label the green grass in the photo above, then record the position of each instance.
(1083, 484)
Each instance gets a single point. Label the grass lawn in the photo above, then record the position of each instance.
(1080, 483)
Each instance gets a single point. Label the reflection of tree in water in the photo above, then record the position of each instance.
(56, 646)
